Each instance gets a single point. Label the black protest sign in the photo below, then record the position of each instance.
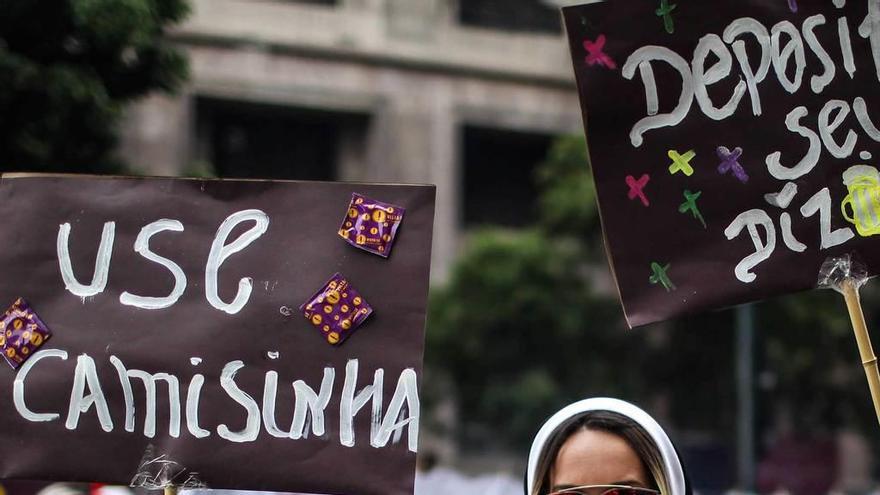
(734, 144)
(178, 353)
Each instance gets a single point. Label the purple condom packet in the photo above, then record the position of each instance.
(371, 225)
(337, 310)
(23, 332)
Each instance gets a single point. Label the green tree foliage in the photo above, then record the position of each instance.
(567, 204)
(519, 328)
(510, 328)
(811, 361)
(67, 69)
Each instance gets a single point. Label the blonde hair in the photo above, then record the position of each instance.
(610, 422)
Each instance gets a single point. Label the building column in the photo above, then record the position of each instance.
(412, 139)
(156, 134)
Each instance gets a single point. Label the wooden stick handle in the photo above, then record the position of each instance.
(866, 351)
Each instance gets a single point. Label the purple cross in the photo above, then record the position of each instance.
(792, 4)
(730, 163)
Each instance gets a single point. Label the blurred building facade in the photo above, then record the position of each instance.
(370, 90)
(464, 94)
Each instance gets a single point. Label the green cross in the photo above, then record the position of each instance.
(690, 204)
(660, 276)
(665, 11)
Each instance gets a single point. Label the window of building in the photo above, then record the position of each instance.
(499, 175)
(511, 15)
(249, 140)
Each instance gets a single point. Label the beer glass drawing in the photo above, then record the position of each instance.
(863, 183)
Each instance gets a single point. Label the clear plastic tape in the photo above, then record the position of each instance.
(839, 270)
(158, 471)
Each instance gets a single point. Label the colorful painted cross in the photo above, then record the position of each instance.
(730, 163)
(665, 11)
(793, 5)
(596, 53)
(681, 162)
(690, 205)
(661, 276)
(637, 188)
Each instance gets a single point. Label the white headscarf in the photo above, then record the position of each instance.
(671, 463)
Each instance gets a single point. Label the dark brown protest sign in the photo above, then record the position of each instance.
(178, 353)
(734, 144)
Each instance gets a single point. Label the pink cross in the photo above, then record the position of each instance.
(637, 188)
(596, 53)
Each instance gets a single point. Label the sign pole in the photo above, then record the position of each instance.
(866, 351)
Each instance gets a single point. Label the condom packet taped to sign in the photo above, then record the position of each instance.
(23, 332)
(371, 225)
(337, 309)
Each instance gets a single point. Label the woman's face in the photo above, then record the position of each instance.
(595, 457)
